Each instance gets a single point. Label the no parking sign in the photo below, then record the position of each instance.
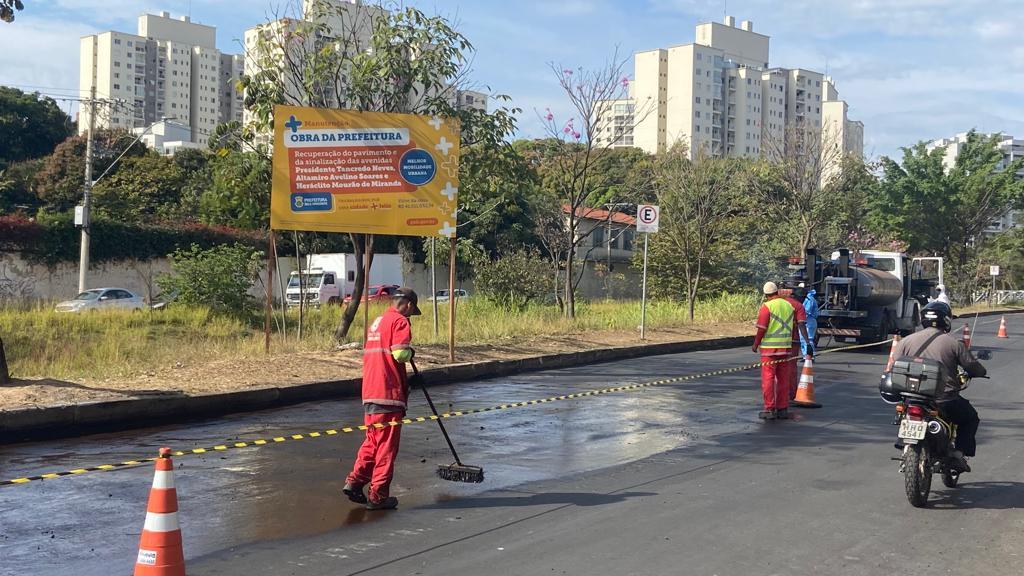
(647, 217)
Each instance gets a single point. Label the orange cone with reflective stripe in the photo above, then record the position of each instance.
(805, 389)
(967, 336)
(892, 352)
(160, 551)
(1002, 328)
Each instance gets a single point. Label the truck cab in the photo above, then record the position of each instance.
(320, 287)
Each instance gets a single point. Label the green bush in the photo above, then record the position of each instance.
(513, 280)
(217, 277)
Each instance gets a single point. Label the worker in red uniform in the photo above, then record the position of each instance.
(774, 339)
(385, 393)
(799, 327)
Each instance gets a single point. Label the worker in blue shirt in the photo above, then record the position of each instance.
(811, 307)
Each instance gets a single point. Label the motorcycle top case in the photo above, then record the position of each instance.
(918, 376)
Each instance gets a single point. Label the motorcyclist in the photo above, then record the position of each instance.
(936, 317)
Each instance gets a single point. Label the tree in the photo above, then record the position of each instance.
(17, 187)
(946, 211)
(513, 280)
(218, 277)
(7, 8)
(801, 163)
(239, 191)
(60, 182)
(700, 202)
(31, 125)
(143, 189)
(368, 59)
(576, 145)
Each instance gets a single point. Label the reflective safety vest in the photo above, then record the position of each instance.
(780, 324)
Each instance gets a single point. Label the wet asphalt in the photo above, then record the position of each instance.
(679, 478)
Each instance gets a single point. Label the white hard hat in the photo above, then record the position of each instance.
(941, 287)
(770, 288)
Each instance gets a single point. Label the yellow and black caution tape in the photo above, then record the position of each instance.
(418, 419)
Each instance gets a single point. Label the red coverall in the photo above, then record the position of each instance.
(791, 367)
(775, 376)
(385, 393)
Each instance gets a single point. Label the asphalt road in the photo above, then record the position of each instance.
(676, 479)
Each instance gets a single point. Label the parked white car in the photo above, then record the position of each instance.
(442, 295)
(103, 299)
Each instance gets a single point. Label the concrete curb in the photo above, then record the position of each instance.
(112, 415)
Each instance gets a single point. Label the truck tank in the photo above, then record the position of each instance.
(876, 288)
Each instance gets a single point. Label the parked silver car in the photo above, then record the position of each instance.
(103, 299)
(442, 295)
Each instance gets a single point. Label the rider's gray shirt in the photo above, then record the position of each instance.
(945, 349)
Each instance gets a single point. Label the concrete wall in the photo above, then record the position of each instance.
(23, 282)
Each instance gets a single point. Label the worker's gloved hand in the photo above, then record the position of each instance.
(416, 381)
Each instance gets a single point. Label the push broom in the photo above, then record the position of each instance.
(456, 472)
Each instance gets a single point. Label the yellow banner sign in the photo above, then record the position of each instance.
(364, 172)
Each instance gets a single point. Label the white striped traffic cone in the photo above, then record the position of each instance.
(805, 389)
(892, 352)
(160, 550)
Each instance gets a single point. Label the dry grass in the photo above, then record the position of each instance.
(108, 346)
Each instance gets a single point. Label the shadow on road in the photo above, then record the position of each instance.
(980, 495)
(542, 499)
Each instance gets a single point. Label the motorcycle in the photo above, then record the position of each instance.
(927, 443)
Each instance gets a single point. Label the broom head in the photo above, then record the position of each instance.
(461, 473)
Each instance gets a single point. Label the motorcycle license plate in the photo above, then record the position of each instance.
(913, 429)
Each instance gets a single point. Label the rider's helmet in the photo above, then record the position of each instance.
(937, 314)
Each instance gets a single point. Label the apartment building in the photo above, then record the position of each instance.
(342, 23)
(170, 69)
(719, 96)
(1012, 148)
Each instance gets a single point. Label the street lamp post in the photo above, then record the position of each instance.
(85, 220)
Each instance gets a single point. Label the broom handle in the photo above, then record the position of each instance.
(423, 387)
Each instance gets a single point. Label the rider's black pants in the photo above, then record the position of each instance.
(960, 412)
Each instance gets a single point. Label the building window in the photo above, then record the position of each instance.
(117, 86)
(696, 113)
(818, 83)
(117, 64)
(598, 236)
(699, 72)
(698, 99)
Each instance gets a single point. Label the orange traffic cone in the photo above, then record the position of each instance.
(967, 336)
(1002, 328)
(805, 389)
(160, 551)
(892, 352)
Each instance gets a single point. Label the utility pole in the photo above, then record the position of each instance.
(83, 259)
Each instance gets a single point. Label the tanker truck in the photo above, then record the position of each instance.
(866, 297)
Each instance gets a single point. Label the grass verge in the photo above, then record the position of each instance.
(41, 343)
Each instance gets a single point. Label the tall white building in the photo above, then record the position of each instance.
(719, 95)
(1013, 150)
(341, 23)
(170, 69)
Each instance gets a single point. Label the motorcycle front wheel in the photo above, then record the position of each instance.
(917, 475)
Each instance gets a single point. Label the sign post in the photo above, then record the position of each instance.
(647, 219)
(993, 271)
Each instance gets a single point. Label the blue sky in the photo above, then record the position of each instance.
(909, 69)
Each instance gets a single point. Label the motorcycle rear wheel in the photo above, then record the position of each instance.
(917, 475)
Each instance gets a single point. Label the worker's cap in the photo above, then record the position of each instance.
(801, 285)
(770, 288)
(410, 295)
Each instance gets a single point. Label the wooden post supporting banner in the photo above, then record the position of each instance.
(367, 261)
(271, 264)
(451, 302)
